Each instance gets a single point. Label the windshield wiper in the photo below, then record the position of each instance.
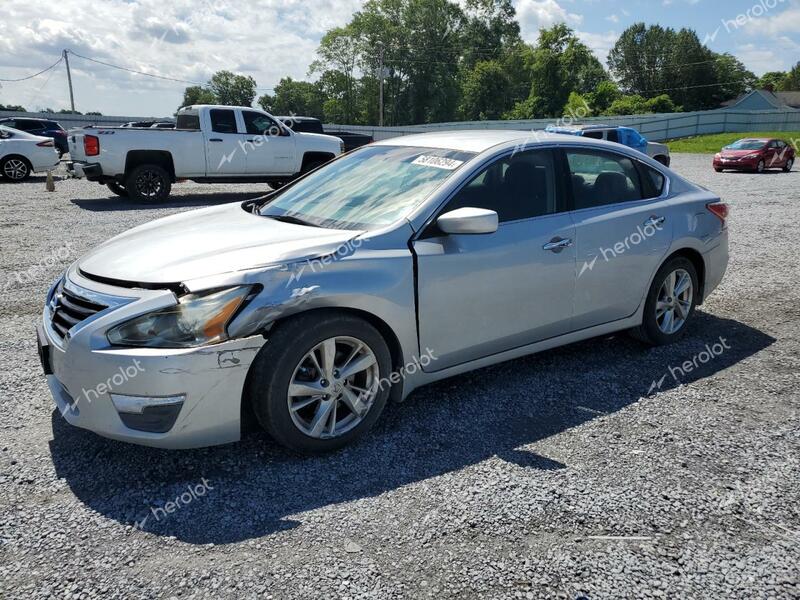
(290, 219)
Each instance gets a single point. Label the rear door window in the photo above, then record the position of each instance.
(223, 120)
(601, 178)
(595, 135)
(612, 136)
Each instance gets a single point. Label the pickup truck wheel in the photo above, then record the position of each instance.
(148, 183)
(118, 189)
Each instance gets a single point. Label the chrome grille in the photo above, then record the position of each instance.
(68, 309)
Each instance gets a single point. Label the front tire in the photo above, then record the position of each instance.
(321, 381)
(670, 303)
(760, 166)
(15, 168)
(148, 183)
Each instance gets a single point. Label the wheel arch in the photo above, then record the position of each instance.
(162, 158)
(699, 264)
(312, 157)
(248, 418)
(22, 157)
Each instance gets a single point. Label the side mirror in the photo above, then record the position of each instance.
(468, 220)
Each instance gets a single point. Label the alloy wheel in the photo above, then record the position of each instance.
(15, 169)
(333, 388)
(674, 301)
(149, 184)
(760, 166)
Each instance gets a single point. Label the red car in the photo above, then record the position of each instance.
(755, 154)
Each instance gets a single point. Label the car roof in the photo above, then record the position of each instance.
(480, 140)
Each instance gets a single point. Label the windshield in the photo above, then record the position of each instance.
(747, 145)
(370, 188)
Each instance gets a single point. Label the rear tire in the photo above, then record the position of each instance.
(118, 189)
(286, 360)
(148, 183)
(669, 297)
(15, 168)
(788, 166)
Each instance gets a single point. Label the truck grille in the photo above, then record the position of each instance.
(68, 310)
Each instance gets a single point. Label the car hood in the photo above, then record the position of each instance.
(737, 153)
(206, 242)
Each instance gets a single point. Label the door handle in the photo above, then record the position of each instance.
(215, 139)
(654, 221)
(557, 244)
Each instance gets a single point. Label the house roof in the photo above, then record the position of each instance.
(776, 99)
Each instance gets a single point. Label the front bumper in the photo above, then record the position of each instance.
(86, 372)
(736, 164)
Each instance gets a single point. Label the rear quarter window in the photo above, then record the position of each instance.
(188, 121)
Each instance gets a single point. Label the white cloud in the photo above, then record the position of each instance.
(533, 14)
(600, 43)
(184, 39)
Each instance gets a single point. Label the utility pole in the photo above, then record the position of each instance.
(380, 75)
(69, 79)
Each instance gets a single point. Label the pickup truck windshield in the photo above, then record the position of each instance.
(370, 188)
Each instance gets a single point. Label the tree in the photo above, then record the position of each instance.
(560, 64)
(485, 92)
(661, 104)
(791, 82)
(650, 61)
(771, 81)
(338, 57)
(13, 107)
(292, 97)
(231, 89)
(577, 107)
(196, 94)
(603, 96)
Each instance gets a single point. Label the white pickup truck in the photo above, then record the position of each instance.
(210, 144)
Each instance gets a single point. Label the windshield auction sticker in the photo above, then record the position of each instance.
(439, 162)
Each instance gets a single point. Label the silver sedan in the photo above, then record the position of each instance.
(401, 263)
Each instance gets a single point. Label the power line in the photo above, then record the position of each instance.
(146, 74)
(54, 65)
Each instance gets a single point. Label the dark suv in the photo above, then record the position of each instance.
(42, 127)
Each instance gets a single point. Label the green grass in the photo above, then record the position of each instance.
(710, 144)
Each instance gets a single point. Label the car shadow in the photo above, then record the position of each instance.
(255, 488)
(115, 203)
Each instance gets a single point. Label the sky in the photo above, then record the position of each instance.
(271, 39)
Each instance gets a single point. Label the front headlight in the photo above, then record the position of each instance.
(197, 320)
(755, 155)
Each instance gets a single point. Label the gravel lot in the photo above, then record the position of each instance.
(557, 475)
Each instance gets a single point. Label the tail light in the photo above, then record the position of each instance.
(719, 210)
(60, 132)
(91, 145)
(46, 144)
